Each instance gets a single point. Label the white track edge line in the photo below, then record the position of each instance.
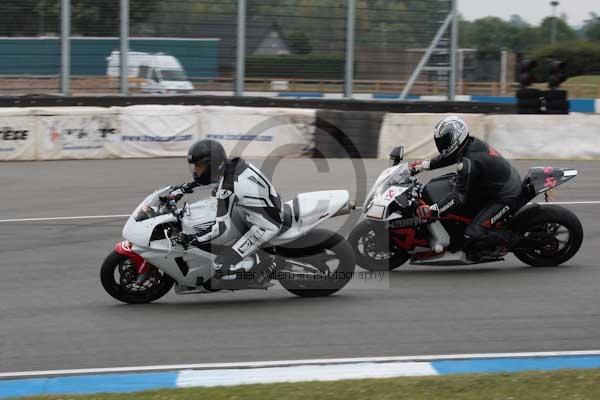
(127, 215)
(65, 218)
(568, 202)
(283, 363)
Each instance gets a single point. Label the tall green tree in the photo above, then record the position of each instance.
(299, 43)
(487, 34)
(591, 27)
(27, 17)
(89, 17)
(494, 34)
(564, 32)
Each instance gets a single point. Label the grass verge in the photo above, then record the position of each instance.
(562, 384)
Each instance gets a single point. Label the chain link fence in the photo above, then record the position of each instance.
(190, 46)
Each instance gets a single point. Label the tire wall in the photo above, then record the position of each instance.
(342, 134)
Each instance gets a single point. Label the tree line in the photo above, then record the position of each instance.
(493, 33)
(312, 25)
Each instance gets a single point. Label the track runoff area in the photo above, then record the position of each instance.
(53, 229)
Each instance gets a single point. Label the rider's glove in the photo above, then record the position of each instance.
(417, 166)
(189, 187)
(187, 240)
(424, 212)
(176, 194)
(179, 191)
(427, 213)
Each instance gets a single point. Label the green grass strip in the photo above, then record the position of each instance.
(562, 384)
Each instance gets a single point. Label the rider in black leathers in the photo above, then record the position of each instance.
(485, 179)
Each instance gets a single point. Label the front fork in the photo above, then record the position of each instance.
(142, 266)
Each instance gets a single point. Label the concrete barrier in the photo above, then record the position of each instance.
(56, 133)
(258, 132)
(17, 134)
(574, 136)
(156, 131)
(75, 132)
(415, 133)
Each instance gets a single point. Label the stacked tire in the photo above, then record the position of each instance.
(347, 134)
(529, 101)
(535, 101)
(556, 102)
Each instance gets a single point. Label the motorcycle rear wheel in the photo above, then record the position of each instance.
(316, 251)
(560, 234)
(124, 288)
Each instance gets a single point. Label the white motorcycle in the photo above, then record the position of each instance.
(306, 261)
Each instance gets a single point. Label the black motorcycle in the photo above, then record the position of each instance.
(391, 233)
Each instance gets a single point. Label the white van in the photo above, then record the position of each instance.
(159, 73)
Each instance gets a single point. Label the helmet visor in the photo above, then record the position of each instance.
(199, 168)
(444, 141)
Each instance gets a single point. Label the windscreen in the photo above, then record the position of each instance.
(397, 177)
(173, 75)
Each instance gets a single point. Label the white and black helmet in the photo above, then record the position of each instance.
(450, 135)
(211, 153)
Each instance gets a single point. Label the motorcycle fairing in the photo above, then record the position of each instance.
(379, 207)
(309, 210)
(146, 244)
(541, 179)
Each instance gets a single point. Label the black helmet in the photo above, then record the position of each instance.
(211, 153)
(450, 135)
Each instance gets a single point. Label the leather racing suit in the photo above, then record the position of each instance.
(249, 214)
(485, 180)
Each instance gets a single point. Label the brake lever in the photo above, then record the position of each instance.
(168, 239)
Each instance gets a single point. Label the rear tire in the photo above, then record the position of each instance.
(541, 222)
(316, 245)
(362, 239)
(161, 284)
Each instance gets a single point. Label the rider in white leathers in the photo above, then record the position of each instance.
(248, 209)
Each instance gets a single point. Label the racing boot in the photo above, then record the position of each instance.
(250, 275)
(262, 274)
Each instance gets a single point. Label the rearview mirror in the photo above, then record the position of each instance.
(397, 154)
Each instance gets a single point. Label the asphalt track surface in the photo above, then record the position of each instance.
(54, 313)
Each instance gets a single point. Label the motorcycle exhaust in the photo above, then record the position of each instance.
(347, 209)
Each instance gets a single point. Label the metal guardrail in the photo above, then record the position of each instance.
(323, 104)
(84, 85)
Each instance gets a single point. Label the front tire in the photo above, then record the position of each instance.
(123, 287)
(556, 228)
(318, 249)
(373, 249)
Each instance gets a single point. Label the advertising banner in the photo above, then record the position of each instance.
(76, 132)
(17, 135)
(157, 131)
(258, 132)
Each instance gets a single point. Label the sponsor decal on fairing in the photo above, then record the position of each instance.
(244, 247)
(222, 194)
(496, 217)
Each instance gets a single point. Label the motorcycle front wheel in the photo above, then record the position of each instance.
(373, 249)
(120, 280)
